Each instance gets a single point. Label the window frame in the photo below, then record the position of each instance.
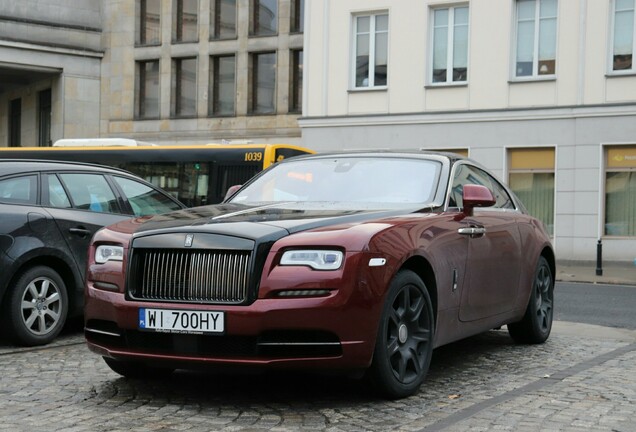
(34, 189)
(213, 87)
(253, 83)
(535, 76)
(141, 90)
(611, 47)
(450, 49)
(177, 23)
(491, 178)
(176, 87)
(215, 21)
(296, 57)
(603, 216)
(141, 25)
(372, 48)
(297, 22)
(254, 28)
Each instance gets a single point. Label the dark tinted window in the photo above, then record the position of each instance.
(20, 190)
(57, 194)
(90, 192)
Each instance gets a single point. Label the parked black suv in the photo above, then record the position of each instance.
(49, 212)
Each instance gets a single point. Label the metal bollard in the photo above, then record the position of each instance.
(599, 258)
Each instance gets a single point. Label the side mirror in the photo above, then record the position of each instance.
(476, 196)
(231, 191)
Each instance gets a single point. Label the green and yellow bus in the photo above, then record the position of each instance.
(194, 174)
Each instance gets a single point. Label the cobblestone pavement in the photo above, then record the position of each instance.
(582, 379)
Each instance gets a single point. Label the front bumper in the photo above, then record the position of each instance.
(333, 332)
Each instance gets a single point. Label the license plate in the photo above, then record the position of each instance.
(181, 321)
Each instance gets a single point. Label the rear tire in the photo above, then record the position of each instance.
(130, 369)
(36, 307)
(536, 324)
(404, 343)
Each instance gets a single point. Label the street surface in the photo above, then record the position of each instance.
(605, 305)
(582, 379)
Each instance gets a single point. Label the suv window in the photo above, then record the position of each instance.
(57, 194)
(145, 200)
(19, 190)
(90, 192)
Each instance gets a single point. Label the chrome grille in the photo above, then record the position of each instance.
(193, 275)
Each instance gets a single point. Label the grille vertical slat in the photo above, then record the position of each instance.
(191, 275)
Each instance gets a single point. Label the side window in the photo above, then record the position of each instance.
(145, 200)
(90, 192)
(465, 174)
(19, 190)
(57, 194)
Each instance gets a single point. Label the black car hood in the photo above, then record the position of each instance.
(255, 221)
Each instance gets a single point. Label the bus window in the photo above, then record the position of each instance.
(194, 174)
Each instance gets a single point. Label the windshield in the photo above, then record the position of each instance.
(375, 182)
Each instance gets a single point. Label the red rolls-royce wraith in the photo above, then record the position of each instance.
(349, 261)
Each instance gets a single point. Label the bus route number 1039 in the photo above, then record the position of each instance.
(253, 156)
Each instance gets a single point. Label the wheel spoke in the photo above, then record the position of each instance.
(392, 347)
(44, 288)
(27, 305)
(415, 359)
(421, 335)
(402, 367)
(31, 319)
(41, 323)
(416, 309)
(53, 298)
(54, 315)
(32, 290)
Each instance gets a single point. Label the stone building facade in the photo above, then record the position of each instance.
(166, 71)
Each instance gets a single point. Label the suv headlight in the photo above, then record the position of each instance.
(316, 259)
(105, 253)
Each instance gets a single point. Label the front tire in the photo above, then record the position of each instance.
(36, 307)
(404, 343)
(536, 324)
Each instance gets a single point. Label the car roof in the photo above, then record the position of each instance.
(21, 166)
(406, 153)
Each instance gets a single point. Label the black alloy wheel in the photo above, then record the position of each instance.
(404, 343)
(536, 325)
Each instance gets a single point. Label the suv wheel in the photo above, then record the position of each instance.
(36, 307)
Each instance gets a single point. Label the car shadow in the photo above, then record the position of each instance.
(317, 389)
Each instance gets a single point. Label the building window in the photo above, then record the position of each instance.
(531, 178)
(263, 17)
(297, 16)
(221, 99)
(44, 118)
(536, 38)
(148, 14)
(15, 122)
(624, 36)
(184, 87)
(262, 98)
(296, 82)
(371, 50)
(184, 21)
(222, 19)
(620, 191)
(147, 89)
(450, 45)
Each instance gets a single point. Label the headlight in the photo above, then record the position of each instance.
(108, 253)
(316, 259)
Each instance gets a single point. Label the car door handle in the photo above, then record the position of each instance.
(82, 232)
(472, 231)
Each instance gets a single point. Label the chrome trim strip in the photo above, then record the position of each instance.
(102, 332)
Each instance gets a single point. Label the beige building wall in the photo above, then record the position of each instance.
(580, 111)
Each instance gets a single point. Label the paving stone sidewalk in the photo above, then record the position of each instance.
(582, 379)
